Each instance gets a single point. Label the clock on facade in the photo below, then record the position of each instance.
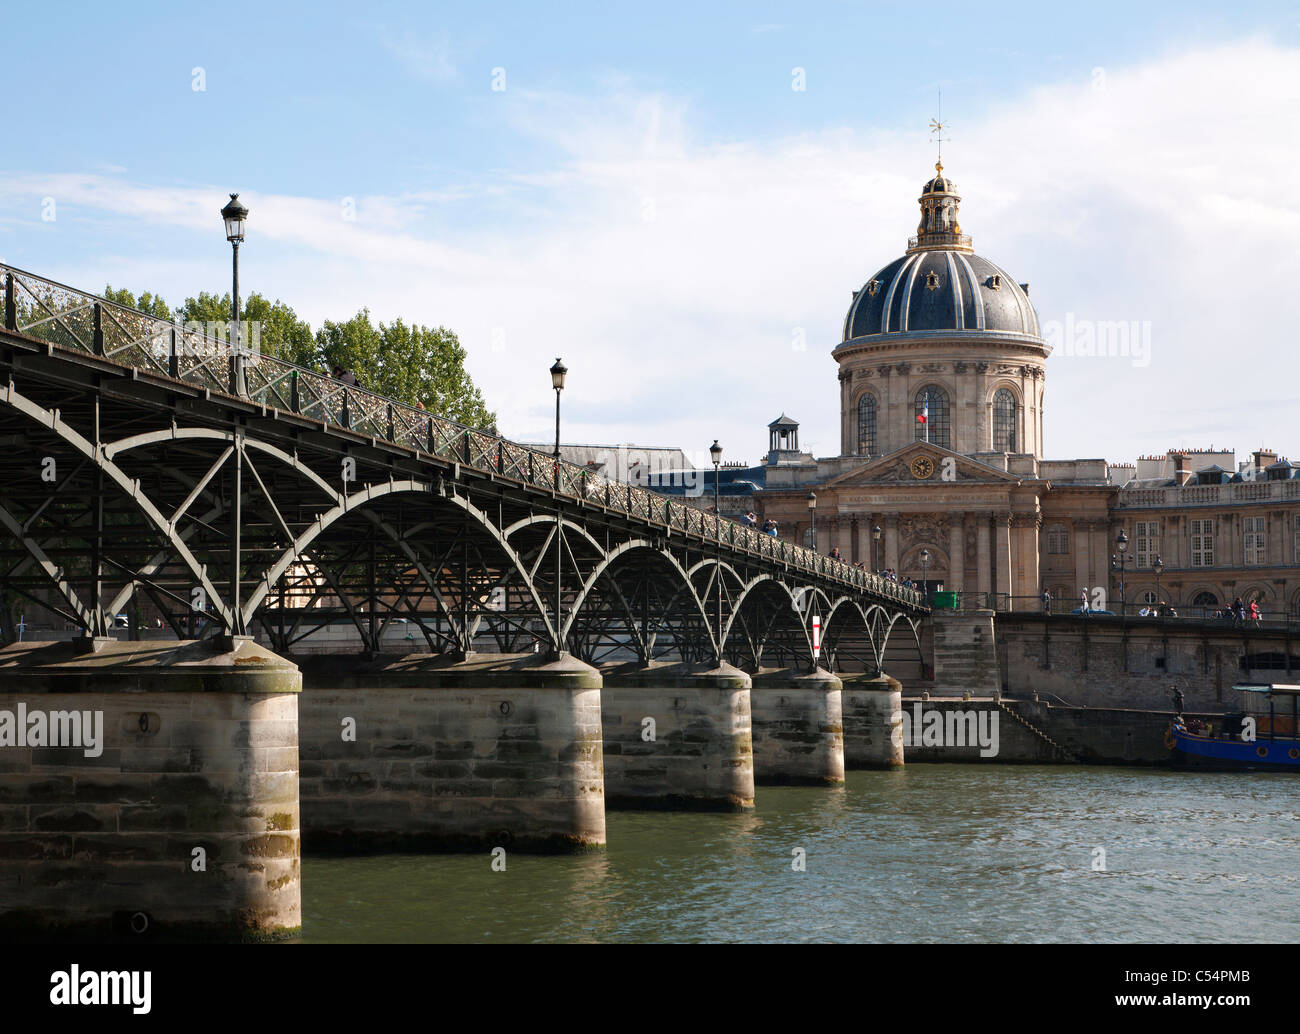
(922, 467)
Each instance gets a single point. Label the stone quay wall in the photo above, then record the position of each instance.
(1134, 664)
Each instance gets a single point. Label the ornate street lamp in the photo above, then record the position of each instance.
(1121, 543)
(875, 537)
(557, 382)
(1158, 567)
(235, 215)
(558, 372)
(925, 564)
(812, 515)
(715, 452)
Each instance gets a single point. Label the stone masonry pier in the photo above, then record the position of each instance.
(423, 752)
(678, 736)
(181, 822)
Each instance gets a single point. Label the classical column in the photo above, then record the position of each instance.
(1081, 536)
(891, 540)
(983, 555)
(862, 541)
(887, 439)
(1103, 542)
(848, 415)
(956, 552)
(1003, 526)
(1026, 554)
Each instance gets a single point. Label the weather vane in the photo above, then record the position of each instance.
(937, 126)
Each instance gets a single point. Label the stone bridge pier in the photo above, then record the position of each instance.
(798, 727)
(872, 721)
(678, 736)
(148, 790)
(426, 752)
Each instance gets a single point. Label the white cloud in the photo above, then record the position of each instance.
(425, 57)
(671, 272)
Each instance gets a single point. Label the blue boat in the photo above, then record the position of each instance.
(1264, 736)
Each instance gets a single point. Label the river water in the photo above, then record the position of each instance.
(931, 853)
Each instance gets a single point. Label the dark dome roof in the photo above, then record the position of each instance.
(940, 290)
(941, 184)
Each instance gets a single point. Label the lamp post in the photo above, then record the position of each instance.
(812, 516)
(557, 382)
(1158, 567)
(558, 372)
(925, 565)
(875, 538)
(235, 215)
(715, 452)
(1121, 543)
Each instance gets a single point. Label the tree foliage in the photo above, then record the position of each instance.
(411, 363)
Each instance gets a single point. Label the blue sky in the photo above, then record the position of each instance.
(650, 198)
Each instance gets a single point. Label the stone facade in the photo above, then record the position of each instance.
(971, 487)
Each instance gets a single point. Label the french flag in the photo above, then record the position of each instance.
(923, 417)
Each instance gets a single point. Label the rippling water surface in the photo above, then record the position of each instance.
(933, 853)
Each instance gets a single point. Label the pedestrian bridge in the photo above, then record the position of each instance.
(241, 493)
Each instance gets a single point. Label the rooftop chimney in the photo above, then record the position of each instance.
(1182, 473)
(1264, 458)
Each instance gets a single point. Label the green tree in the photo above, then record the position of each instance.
(282, 333)
(147, 302)
(411, 363)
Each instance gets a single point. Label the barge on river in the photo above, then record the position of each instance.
(1264, 736)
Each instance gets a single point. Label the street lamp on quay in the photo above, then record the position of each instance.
(875, 538)
(1158, 567)
(925, 565)
(1120, 563)
(812, 516)
(235, 215)
(558, 372)
(715, 452)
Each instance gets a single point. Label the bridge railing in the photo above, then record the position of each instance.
(37, 307)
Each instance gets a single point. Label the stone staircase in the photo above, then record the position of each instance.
(1061, 752)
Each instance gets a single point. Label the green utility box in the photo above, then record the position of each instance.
(944, 600)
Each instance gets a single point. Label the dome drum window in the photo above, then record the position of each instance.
(867, 425)
(932, 281)
(932, 403)
(1005, 419)
(995, 282)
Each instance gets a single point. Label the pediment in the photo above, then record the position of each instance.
(921, 463)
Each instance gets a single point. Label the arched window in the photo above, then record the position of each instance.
(1205, 599)
(932, 403)
(1058, 539)
(1004, 421)
(867, 425)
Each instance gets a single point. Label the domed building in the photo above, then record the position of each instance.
(944, 333)
(941, 475)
